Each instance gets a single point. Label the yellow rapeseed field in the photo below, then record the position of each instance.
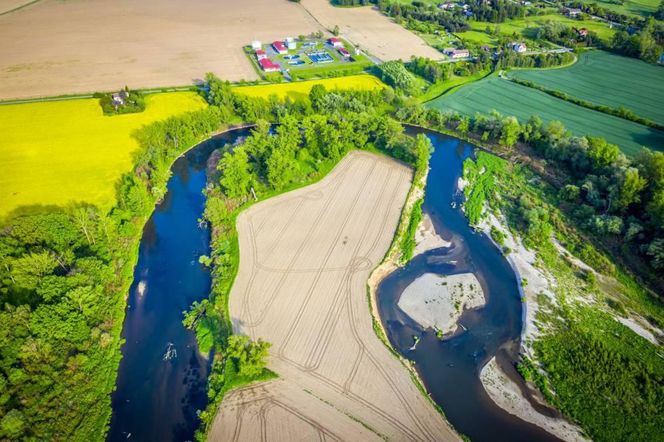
(61, 152)
(301, 89)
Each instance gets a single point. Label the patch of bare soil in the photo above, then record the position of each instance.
(77, 46)
(304, 262)
(371, 30)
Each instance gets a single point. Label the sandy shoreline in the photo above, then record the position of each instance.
(507, 395)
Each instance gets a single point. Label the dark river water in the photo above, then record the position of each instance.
(162, 380)
(162, 377)
(450, 367)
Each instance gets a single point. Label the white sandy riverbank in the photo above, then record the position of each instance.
(426, 237)
(437, 301)
(506, 394)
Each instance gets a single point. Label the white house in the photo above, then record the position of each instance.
(256, 45)
(519, 47)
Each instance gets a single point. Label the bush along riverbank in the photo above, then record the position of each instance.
(306, 141)
(587, 335)
(64, 276)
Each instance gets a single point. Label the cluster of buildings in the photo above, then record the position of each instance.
(281, 47)
(457, 53)
(450, 6)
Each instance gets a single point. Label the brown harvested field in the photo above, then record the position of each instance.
(76, 46)
(371, 30)
(56, 47)
(304, 262)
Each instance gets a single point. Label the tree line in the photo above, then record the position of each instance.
(64, 274)
(619, 200)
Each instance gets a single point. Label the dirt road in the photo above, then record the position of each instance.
(304, 262)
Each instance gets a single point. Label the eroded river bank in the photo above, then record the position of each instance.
(450, 367)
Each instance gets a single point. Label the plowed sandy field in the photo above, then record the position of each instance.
(305, 259)
(56, 47)
(371, 30)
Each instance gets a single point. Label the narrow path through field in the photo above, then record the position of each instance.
(305, 259)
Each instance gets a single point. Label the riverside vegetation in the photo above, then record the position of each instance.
(65, 271)
(310, 137)
(583, 352)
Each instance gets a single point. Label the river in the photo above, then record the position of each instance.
(450, 367)
(162, 378)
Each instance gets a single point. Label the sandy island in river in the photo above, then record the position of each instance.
(436, 301)
(304, 262)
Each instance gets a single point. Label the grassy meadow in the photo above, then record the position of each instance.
(607, 79)
(509, 98)
(61, 152)
(299, 90)
(527, 27)
(628, 7)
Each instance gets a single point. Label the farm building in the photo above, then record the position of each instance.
(457, 53)
(519, 47)
(260, 54)
(119, 98)
(344, 53)
(290, 43)
(583, 32)
(572, 12)
(268, 65)
(279, 47)
(335, 42)
(256, 45)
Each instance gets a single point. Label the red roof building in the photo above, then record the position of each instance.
(344, 52)
(260, 54)
(335, 42)
(268, 65)
(280, 47)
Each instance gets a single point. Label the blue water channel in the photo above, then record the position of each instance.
(450, 367)
(162, 378)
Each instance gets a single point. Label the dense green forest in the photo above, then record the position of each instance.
(64, 275)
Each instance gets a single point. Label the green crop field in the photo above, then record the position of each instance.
(527, 26)
(628, 7)
(60, 152)
(607, 79)
(509, 98)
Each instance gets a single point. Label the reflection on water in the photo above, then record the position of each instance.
(162, 380)
(450, 367)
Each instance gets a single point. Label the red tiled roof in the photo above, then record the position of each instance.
(260, 52)
(266, 64)
(279, 45)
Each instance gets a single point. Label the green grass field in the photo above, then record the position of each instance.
(60, 152)
(509, 98)
(527, 27)
(299, 90)
(628, 7)
(607, 79)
